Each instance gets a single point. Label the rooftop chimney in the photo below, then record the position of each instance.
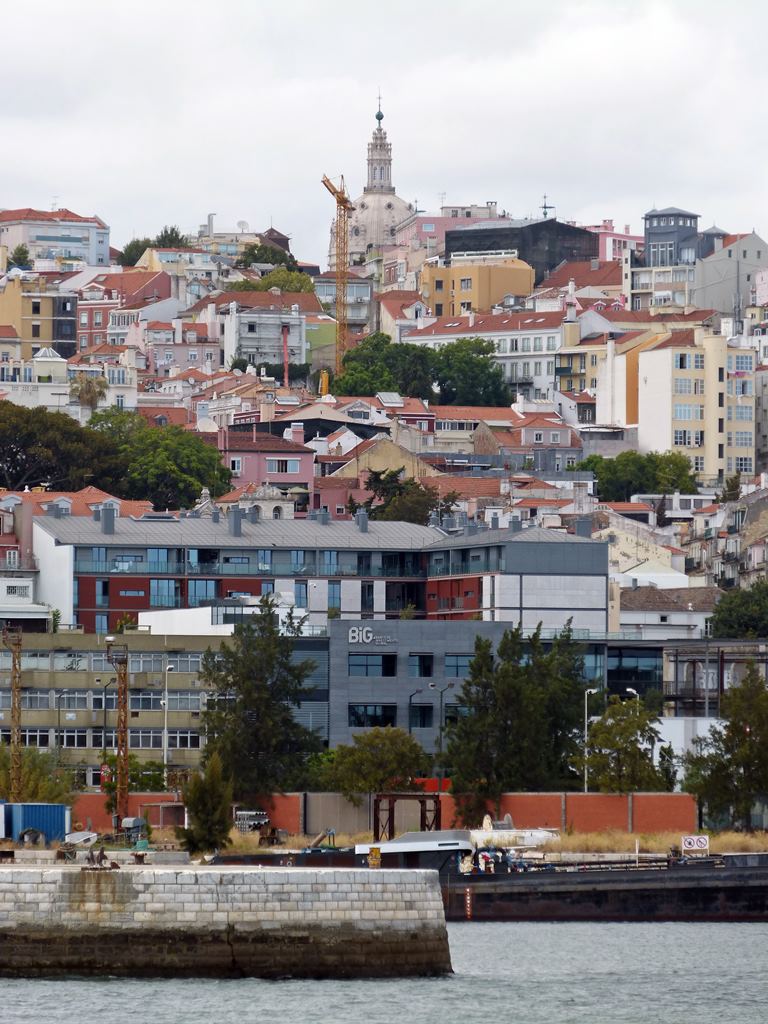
(107, 520)
(297, 433)
(361, 517)
(253, 514)
(323, 517)
(583, 526)
(515, 524)
(215, 516)
(494, 522)
(97, 515)
(235, 521)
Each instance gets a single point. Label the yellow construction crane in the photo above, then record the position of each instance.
(12, 639)
(343, 207)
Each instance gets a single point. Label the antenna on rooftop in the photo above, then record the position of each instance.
(54, 204)
(545, 207)
(441, 196)
(242, 226)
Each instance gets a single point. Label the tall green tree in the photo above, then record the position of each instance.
(88, 391)
(742, 614)
(270, 254)
(42, 779)
(467, 374)
(376, 364)
(38, 447)
(281, 277)
(208, 800)
(171, 238)
(519, 726)
(621, 744)
(19, 258)
(143, 777)
(377, 761)
(253, 683)
(728, 769)
(397, 498)
(632, 473)
(134, 250)
(731, 489)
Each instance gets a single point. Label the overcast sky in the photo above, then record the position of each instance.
(149, 113)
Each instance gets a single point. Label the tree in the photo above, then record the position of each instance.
(395, 498)
(269, 254)
(170, 238)
(620, 749)
(38, 447)
(742, 614)
(632, 473)
(143, 777)
(254, 682)
(377, 761)
(376, 364)
(208, 800)
(167, 465)
(728, 769)
(20, 258)
(133, 251)
(296, 371)
(88, 391)
(42, 780)
(731, 489)
(520, 720)
(281, 277)
(467, 374)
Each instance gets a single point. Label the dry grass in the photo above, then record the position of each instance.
(614, 841)
(249, 842)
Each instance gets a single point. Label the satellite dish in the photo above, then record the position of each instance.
(242, 225)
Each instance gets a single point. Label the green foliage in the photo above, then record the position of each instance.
(253, 683)
(143, 777)
(168, 466)
(317, 772)
(281, 277)
(170, 238)
(521, 720)
(620, 750)
(238, 363)
(42, 780)
(297, 372)
(19, 258)
(271, 254)
(134, 250)
(208, 800)
(395, 498)
(88, 391)
(742, 614)
(380, 760)
(632, 473)
(40, 447)
(467, 374)
(728, 769)
(731, 489)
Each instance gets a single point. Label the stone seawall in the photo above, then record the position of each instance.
(219, 922)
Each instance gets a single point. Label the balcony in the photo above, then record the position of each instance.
(465, 568)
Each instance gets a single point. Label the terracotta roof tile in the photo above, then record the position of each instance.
(606, 273)
(307, 302)
(485, 323)
(28, 214)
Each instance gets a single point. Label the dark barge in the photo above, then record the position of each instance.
(729, 888)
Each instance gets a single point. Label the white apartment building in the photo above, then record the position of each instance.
(526, 344)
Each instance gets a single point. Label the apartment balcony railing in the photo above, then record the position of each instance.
(251, 568)
(465, 568)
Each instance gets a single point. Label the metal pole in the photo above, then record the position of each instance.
(587, 695)
(117, 655)
(410, 702)
(706, 676)
(168, 668)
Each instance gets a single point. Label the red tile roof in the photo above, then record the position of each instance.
(242, 442)
(464, 486)
(487, 323)
(173, 415)
(580, 397)
(474, 412)
(732, 239)
(307, 302)
(159, 325)
(645, 316)
(541, 502)
(678, 339)
(7, 332)
(83, 501)
(28, 214)
(606, 273)
(626, 506)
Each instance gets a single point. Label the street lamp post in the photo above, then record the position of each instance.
(410, 703)
(441, 690)
(636, 695)
(168, 668)
(587, 695)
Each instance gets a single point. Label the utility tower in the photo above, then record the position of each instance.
(117, 656)
(12, 639)
(343, 207)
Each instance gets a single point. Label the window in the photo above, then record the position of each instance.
(372, 664)
(369, 716)
(439, 284)
(698, 463)
(526, 345)
(554, 437)
(35, 330)
(264, 556)
(283, 465)
(743, 438)
(743, 412)
(698, 361)
(550, 367)
(98, 319)
(300, 594)
(183, 739)
(236, 466)
(682, 438)
(83, 319)
(457, 665)
(537, 368)
(145, 739)
(74, 737)
(146, 700)
(329, 562)
(34, 700)
(552, 343)
(743, 464)
(682, 361)
(334, 593)
(683, 386)
(35, 307)
(438, 309)
(101, 623)
(743, 364)
(421, 666)
(538, 437)
(421, 716)
(201, 591)
(163, 594)
(35, 737)
(465, 284)
(538, 344)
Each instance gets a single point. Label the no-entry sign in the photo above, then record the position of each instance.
(695, 844)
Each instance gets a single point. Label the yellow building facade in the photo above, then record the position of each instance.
(476, 281)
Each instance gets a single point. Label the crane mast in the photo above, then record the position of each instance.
(343, 207)
(12, 639)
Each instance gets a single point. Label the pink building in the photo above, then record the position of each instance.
(261, 458)
(613, 243)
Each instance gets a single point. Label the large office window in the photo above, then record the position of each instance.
(201, 591)
(300, 592)
(421, 716)
(162, 593)
(369, 716)
(457, 665)
(334, 594)
(421, 666)
(373, 664)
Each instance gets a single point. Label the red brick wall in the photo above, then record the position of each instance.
(91, 807)
(595, 812)
(665, 812)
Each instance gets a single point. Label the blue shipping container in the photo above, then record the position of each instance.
(53, 820)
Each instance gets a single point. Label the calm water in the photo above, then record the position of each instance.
(531, 973)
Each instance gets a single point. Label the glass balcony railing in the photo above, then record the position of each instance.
(250, 568)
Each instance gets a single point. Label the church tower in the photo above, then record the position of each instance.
(379, 159)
